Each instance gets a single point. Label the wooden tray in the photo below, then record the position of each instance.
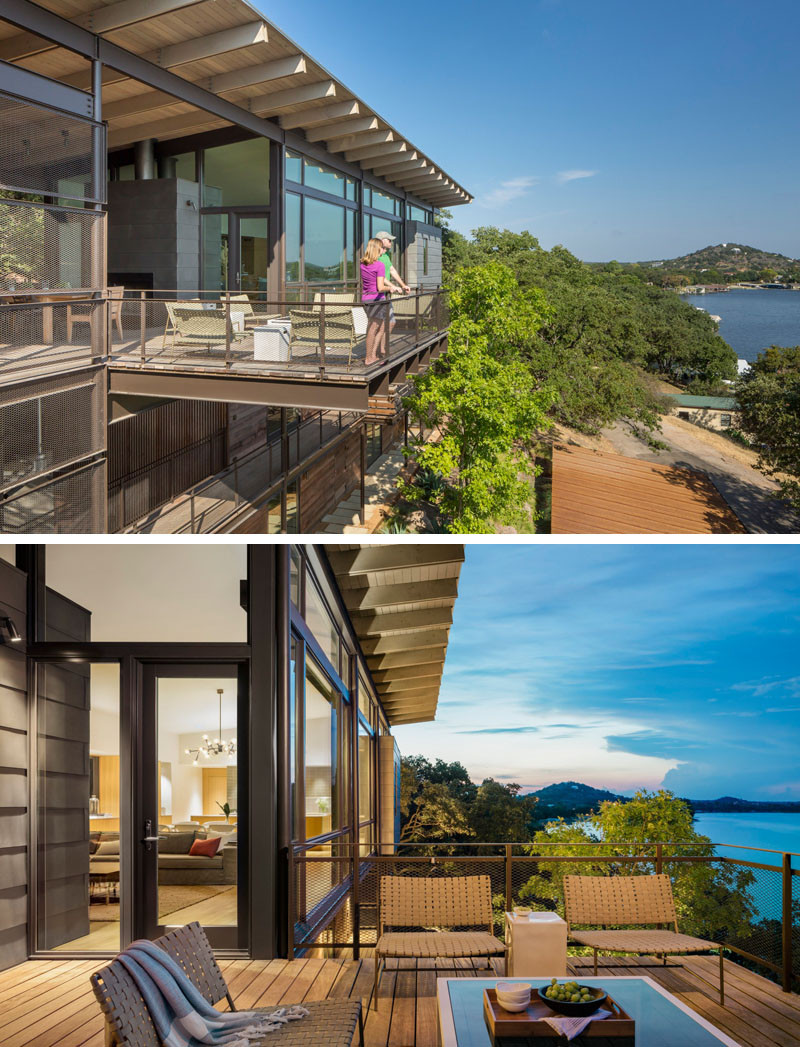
(618, 1029)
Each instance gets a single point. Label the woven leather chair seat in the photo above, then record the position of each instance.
(643, 942)
(429, 944)
(329, 1022)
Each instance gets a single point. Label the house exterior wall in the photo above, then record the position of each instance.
(420, 236)
(708, 417)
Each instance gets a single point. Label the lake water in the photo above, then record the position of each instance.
(752, 320)
(773, 832)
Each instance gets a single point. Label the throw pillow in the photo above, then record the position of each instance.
(205, 848)
(107, 847)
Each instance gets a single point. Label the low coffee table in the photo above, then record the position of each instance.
(661, 1019)
(104, 873)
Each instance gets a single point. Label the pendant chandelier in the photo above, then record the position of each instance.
(217, 747)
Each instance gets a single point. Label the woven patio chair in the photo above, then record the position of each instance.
(77, 314)
(435, 901)
(330, 1023)
(619, 901)
(340, 333)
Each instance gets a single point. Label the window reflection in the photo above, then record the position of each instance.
(324, 241)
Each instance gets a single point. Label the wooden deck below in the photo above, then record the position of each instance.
(48, 1003)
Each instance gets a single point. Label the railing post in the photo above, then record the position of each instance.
(322, 334)
(387, 328)
(142, 324)
(786, 924)
(290, 907)
(659, 867)
(416, 319)
(228, 329)
(363, 512)
(236, 498)
(320, 428)
(357, 901)
(191, 508)
(509, 899)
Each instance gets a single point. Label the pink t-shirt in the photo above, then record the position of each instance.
(369, 281)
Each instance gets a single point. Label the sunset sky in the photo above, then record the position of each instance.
(624, 666)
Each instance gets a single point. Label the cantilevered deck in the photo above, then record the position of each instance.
(50, 1003)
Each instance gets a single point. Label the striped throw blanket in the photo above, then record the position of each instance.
(181, 1014)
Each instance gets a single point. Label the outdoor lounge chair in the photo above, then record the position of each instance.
(193, 325)
(619, 901)
(330, 1023)
(435, 901)
(306, 332)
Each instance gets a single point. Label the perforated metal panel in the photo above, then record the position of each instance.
(40, 339)
(46, 432)
(46, 151)
(44, 248)
(70, 504)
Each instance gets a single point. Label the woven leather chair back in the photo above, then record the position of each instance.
(614, 901)
(128, 1020)
(189, 947)
(435, 901)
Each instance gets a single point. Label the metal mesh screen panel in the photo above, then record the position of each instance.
(46, 151)
(70, 504)
(46, 432)
(39, 339)
(44, 247)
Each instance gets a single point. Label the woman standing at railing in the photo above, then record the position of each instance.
(374, 286)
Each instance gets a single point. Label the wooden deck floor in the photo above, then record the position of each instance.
(47, 1003)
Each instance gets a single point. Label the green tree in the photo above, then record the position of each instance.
(712, 899)
(484, 400)
(498, 814)
(768, 394)
(768, 276)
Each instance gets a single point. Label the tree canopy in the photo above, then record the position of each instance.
(768, 394)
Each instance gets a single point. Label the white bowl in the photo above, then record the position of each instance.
(522, 910)
(517, 1006)
(513, 988)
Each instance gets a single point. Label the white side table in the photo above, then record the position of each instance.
(271, 342)
(537, 945)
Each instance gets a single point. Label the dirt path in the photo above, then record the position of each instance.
(731, 468)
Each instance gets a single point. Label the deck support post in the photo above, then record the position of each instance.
(786, 923)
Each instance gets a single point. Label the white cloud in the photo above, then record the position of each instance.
(513, 189)
(570, 176)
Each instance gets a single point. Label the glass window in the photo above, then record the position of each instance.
(126, 173)
(294, 166)
(352, 189)
(215, 252)
(365, 747)
(386, 202)
(418, 214)
(367, 196)
(318, 176)
(153, 592)
(237, 174)
(324, 241)
(184, 167)
(322, 626)
(322, 800)
(351, 228)
(725, 421)
(253, 253)
(292, 238)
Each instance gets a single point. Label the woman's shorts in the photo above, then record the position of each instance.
(376, 311)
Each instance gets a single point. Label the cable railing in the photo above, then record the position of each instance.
(750, 906)
(307, 333)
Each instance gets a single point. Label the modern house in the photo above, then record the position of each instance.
(712, 412)
(177, 722)
(184, 193)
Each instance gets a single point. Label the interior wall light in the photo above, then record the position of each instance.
(10, 629)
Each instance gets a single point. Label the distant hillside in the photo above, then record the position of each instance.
(570, 799)
(726, 258)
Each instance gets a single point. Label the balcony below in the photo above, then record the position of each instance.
(49, 1003)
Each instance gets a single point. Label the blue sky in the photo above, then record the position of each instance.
(624, 666)
(622, 129)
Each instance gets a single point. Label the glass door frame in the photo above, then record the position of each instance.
(145, 812)
(235, 216)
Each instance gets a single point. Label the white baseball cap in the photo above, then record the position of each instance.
(385, 236)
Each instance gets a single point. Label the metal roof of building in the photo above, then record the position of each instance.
(716, 403)
(597, 493)
(230, 49)
(400, 600)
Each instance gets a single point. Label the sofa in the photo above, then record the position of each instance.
(175, 864)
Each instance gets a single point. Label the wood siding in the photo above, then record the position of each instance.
(247, 428)
(63, 700)
(328, 482)
(421, 236)
(159, 453)
(14, 794)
